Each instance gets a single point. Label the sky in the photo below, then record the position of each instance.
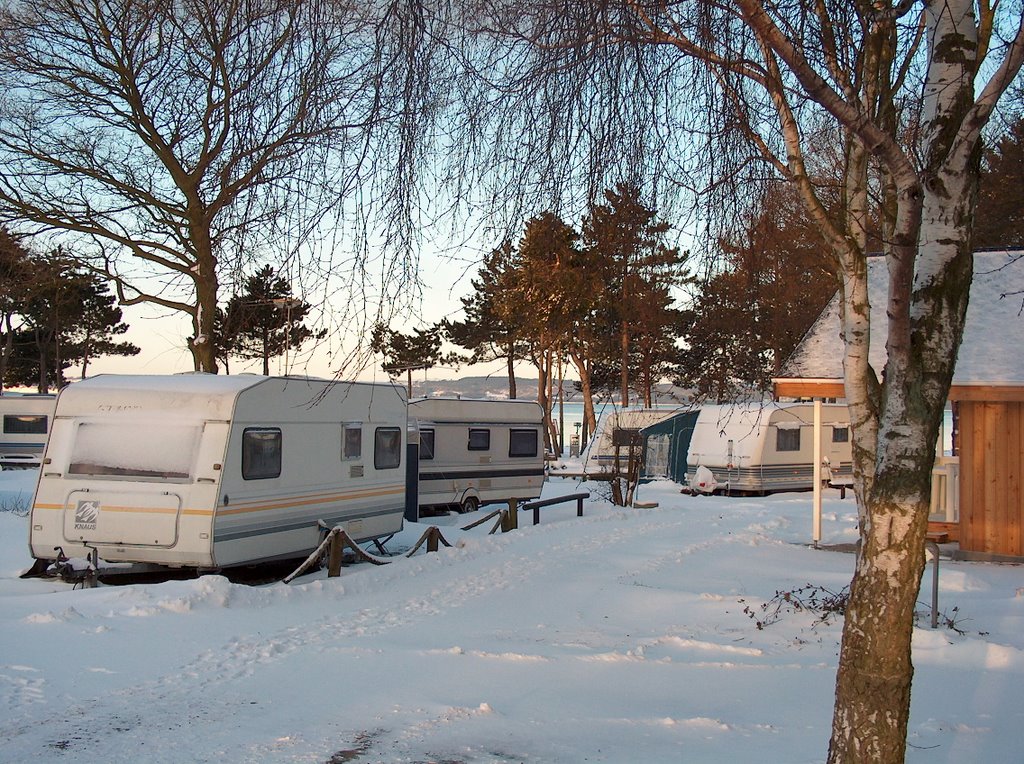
(627, 635)
(161, 334)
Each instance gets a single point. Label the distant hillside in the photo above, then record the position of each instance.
(497, 387)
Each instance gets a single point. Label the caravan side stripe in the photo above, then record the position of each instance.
(303, 500)
(484, 471)
(318, 498)
(149, 510)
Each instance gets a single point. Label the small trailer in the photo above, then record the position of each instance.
(205, 471)
(618, 434)
(475, 452)
(767, 447)
(25, 420)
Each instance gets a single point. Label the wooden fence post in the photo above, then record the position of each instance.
(513, 514)
(334, 555)
(432, 542)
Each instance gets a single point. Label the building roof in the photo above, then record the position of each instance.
(992, 352)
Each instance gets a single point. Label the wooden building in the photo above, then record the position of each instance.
(986, 510)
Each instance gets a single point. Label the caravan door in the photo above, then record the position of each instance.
(111, 516)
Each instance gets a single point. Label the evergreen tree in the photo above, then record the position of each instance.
(999, 215)
(627, 243)
(93, 334)
(14, 270)
(750, 316)
(407, 352)
(549, 293)
(487, 332)
(265, 321)
(68, 316)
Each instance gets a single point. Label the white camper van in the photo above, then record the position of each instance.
(25, 420)
(473, 452)
(208, 471)
(766, 447)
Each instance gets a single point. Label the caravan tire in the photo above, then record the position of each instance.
(469, 504)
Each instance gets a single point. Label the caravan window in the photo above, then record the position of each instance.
(626, 437)
(426, 445)
(140, 451)
(840, 434)
(27, 424)
(261, 453)
(479, 440)
(787, 439)
(387, 448)
(351, 441)
(522, 443)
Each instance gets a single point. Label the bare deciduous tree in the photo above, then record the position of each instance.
(903, 89)
(186, 139)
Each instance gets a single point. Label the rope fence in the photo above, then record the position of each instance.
(337, 539)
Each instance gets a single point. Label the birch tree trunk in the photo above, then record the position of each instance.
(930, 267)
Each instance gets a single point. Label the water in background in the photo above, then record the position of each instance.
(573, 419)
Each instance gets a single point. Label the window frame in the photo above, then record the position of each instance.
(845, 430)
(784, 434)
(523, 454)
(425, 435)
(346, 428)
(477, 430)
(247, 467)
(25, 419)
(378, 441)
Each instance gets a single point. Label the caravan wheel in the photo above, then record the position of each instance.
(470, 504)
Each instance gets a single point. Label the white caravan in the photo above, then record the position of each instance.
(766, 447)
(207, 471)
(474, 452)
(616, 432)
(25, 423)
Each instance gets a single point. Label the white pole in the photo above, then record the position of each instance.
(816, 472)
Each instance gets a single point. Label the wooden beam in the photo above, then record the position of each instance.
(833, 388)
(989, 393)
(809, 388)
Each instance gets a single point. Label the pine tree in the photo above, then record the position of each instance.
(750, 316)
(627, 243)
(14, 270)
(550, 293)
(404, 353)
(487, 332)
(265, 321)
(68, 316)
(999, 215)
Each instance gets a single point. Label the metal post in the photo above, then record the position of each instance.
(932, 547)
(816, 473)
(579, 506)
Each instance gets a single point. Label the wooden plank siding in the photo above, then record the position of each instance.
(833, 388)
(991, 470)
(991, 448)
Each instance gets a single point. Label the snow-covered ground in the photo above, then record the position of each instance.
(621, 636)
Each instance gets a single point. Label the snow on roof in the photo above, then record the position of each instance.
(485, 409)
(993, 334)
(601, 445)
(167, 395)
